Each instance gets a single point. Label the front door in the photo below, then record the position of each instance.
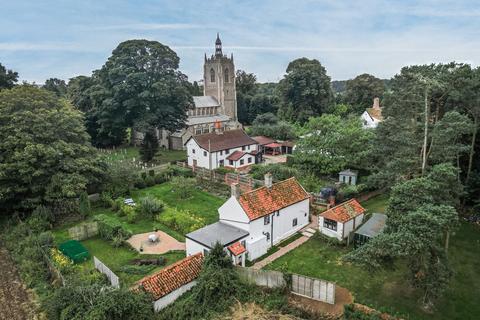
(194, 162)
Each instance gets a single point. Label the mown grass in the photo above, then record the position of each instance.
(389, 290)
(376, 204)
(129, 153)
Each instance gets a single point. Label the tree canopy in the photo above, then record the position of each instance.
(361, 90)
(45, 153)
(268, 124)
(8, 78)
(57, 86)
(305, 91)
(138, 87)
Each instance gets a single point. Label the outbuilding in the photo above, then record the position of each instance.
(339, 221)
(370, 229)
(348, 177)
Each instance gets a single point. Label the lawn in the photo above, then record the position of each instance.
(123, 256)
(200, 203)
(376, 204)
(129, 153)
(387, 290)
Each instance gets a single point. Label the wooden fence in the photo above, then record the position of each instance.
(245, 182)
(313, 288)
(100, 266)
(316, 289)
(83, 231)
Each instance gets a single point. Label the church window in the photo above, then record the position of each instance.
(212, 75)
(226, 75)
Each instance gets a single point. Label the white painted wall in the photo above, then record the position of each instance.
(193, 247)
(328, 232)
(172, 296)
(283, 222)
(231, 212)
(195, 152)
(369, 122)
(256, 247)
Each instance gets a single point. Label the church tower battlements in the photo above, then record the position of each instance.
(219, 80)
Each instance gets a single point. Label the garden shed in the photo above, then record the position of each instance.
(370, 229)
(348, 177)
(74, 250)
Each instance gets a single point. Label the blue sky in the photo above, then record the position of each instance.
(43, 38)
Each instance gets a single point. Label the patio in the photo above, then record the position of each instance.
(163, 244)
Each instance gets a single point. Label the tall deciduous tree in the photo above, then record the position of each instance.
(57, 86)
(45, 153)
(305, 90)
(361, 91)
(333, 143)
(8, 78)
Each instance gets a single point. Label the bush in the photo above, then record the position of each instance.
(140, 183)
(279, 171)
(106, 200)
(150, 181)
(175, 171)
(130, 213)
(109, 229)
(150, 206)
(181, 220)
(117, 204)
(121, 178)
(84, 204)
(223, 170)
(182, 186)
(160, 178)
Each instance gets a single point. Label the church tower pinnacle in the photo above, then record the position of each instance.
(218, 46)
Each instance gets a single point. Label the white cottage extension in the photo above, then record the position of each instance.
(255, 221)
(339, 221)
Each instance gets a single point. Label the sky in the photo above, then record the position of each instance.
(41, 39)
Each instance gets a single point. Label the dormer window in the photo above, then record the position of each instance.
(212, 75)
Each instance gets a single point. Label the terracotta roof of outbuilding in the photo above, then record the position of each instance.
(262, 140)
(344, 211)
(236, 248)
(236, 155)
(262, 201)
(173, 277)
(221, 141)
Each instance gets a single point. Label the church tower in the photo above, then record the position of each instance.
(219, 80)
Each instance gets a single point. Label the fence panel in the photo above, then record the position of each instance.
(270, 279)
(114, 281)
(313, 288)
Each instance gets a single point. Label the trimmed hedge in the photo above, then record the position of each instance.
(109, 229)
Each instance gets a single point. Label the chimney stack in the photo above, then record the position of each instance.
(235, 190)
(268, 180)
(376, 103)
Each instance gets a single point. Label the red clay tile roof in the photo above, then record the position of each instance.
(236, 248)
(262, 140)
(173, 277)
(226, 140)
(262, 201)
(236, 155)
(344, 211)
(375, 113)
(273, 145)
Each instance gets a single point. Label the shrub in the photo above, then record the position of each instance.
(84, 204)
(151, 172)
(278, 171)
(175, 171)
(140, 183)
(223, 170)
(130, 213)
(181, 220)
(160, 178)
(121, 178)
(106, 200)
(150, 206)
(108, 228)
(62, 262)
(182, 186)
(150, 181)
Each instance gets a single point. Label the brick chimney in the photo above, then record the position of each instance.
(268, 180)
(235, 190)
(376, 103)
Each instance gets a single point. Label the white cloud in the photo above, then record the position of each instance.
(149, 26)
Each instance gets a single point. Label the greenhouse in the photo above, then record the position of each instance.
(74, 250)
(370, 229)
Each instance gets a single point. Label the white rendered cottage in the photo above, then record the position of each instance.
(231, 149)
(371, 117)
(339, 221)
(252, 222)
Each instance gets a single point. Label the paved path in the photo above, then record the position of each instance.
(307, 232)
(166, 243)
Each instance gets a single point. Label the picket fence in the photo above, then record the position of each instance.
(100, 266)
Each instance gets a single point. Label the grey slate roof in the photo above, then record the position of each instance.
(207, 119)
(217, 232)
(348, 172)
(205, 101)
(373, 226)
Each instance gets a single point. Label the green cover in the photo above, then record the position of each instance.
(74, 250)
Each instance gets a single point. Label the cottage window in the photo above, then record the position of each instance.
(267, 234)
(249, 159)
(242, 162)
(243, 148)
(221, 152)
(205, 252)
(330, 224)
(231, 162)
(227, 151)
(266, 220)
(198, 131)
(294, 222)
(204, 153)
(193, 150)
(222, 163)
